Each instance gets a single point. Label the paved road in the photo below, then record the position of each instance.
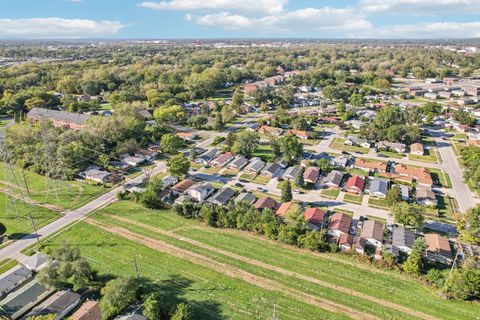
(13, 250)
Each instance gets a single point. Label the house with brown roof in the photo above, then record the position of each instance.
(299, 133)
(425, 196)
(314, 217)
(422, 175)
(284, 207)
(355, 184)
(370, 166)
(222, 160)
(345, 242)
(438, 248)
(339, 224)
(60, 119)
(311, 175)
(182, 186)
(270, 130)
(372, 232)
(265, 203)
(417, 149)
(90, 310)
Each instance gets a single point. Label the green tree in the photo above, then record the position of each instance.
(341, 107)
(230, 141)
(286, 189)
(299, 178)
(413, 265)
(154, 307)
(218, 125)
(291, 148)
(168, 114)
(117, 295)
(468, 226)
(171, 143)
(198, 122)
(237, 99)
(464, 283)
(394, 195)
(314, 240)
(408, 214)
(3, 229)
(183, 311)
(178, 165)
(246, 143)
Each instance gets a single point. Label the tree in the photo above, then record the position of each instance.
(286, 189)
(117, 295)
(3, 229)
(168, 114)
(171, 143)
(394, 195)
(413, 265)
(356, 100)
(464, 283)
(218, 125)
(291, 148)
(229, 141)
(246, 143)
(408, 214)
(468, 226)
(183, 311)
(324, 165)
(154, 307)
(299, 178)
(237, 99)
(178, 165)
(314, 240)
(197, 121)
(341, 107)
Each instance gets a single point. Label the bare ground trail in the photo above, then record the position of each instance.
(233, 272)
(257, 263)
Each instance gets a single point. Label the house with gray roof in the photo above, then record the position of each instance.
(61, 119)
(402, 240)
(95, 174)
(200, 192)
(13, 278)
(255, 166)
(378, 187)
(36, 262)
(340, 161)
(60, 304)
(222, 196)
(207, 156)
(237, 163)
(270, 170)
(246, 197)
(334, 179)
(291, 173)
(405, 192)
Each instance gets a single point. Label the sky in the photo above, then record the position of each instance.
(200, 19)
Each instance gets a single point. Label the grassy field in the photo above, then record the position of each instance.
(392, 154)
(255, 178)
(322, 276)
(352, 198)
(358, 172)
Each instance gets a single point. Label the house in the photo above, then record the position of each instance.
(255, 166)
(314, 217)
(405, 192)
(148, 155)
(265, 203)
(340, 161)
(282, 163)
(402, 240)
(237, 163)
(345, 242)
(169, 181)
(339, 224)
(355, 184)
(133, 161)
(299, 133)
(291, 173)
(370, 166)
(438, 248)
(378, 187)
(183, 198)
(334, 179)
(270, 131)
(222, 159)
(395, 146)
(372, 232)
(187, 136)
(166, 195)
(270, 170)
(95, 174)
(245, 197)
(207, 156)
(253, 127)
(284, 207)
(13, 278)
(182, 186)
(425, 196)
(89, 310)
(417, 149)
(200, 192)
(311, 175)
(354, 141)
(60, 304)
(36, 262)
(222, 196)
(60, 119)
(422, 175)
(359, 244)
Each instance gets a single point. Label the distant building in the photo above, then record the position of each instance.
(61, 119)
(402, 240)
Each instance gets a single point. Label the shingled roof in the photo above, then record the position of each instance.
(47, 114)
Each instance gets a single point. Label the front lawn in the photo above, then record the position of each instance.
(330, 193)
(353, 198)
(378, 202)
(338, 143)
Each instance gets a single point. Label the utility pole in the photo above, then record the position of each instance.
(136, 266)
(34, 227)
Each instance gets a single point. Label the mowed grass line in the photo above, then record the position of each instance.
(343, 271)
(113, 256)
(283, 272)
(231, 271)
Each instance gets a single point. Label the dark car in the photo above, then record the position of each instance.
(238, 184)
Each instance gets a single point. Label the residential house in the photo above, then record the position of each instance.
(402, 240)
(284, 207)
(438, 248)
(200, 192)
(187, 136)
(60, 304)
(339, 224)
(370, 165)
(417, 149)
(315, 218)
(253, 127)
(372, 232)
(13, 278)
(89, 310)
(299, 133)
(265, 203)
(270, 170)
(255, 165)
(36, 262)
(359, 244)
(405, 192)
(222, 196)
(340, 161)
(395, 146)
(425, 196)
(169, 181)
(222, 159)
(270, 131)
(355, 184)
(19, 302)
(207, 156)
(345, 242)
(237, 163)
(334, 179)
(291, 173)
(133, 161)
(311, 175)
(378, 187)
(148, 155)
(422, 175)
(245, 197)
(95, 174)
(61, 119)
(354, 141)
(182, 186)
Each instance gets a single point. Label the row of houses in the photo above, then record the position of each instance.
(415, 148)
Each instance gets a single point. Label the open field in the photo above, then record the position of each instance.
(322, 276)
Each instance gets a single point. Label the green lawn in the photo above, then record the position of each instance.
(441, 177)
(256, 179)
(338, 144)
(113, 255)
(330, 193)
(265, 152)
(7, 264)
(429, 156)
(352, 198)
(392, 154)
(358, 172)
(378, 202)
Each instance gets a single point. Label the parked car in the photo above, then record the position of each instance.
(261, 189)
(238, 184)
(381, 155)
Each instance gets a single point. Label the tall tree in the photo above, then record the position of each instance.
(178, 165)
(286, 189)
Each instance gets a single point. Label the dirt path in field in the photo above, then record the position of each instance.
(233, 272)
(30, 200)
(257, 263)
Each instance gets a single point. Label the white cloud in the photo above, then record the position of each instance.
(425, 31)
(420, 7)
(35, 28)
(307, 20)
(249, 6)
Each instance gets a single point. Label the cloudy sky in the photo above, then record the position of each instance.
(196, 19)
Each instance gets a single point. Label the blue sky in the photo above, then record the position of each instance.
(196, 19)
